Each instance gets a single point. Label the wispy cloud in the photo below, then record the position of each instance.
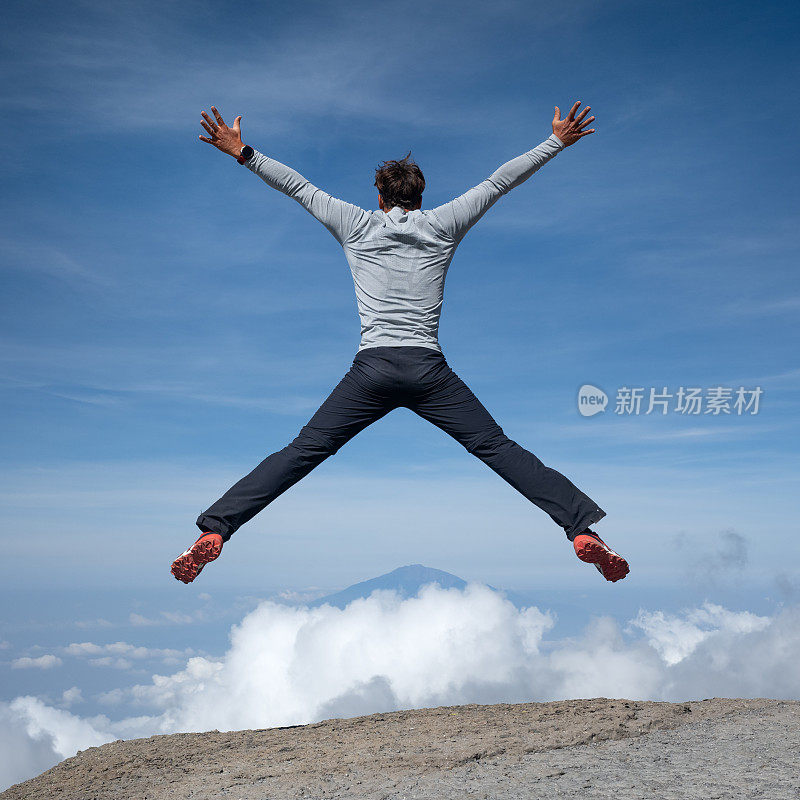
(120, 69)
(121, 654)
(110, 661)
(100, 622)
(47, 661)
(36, 256)
(778, 305)
(179, 372)
(168, 618)
(636, 430)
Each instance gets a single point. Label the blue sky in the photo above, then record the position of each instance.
(168, 320)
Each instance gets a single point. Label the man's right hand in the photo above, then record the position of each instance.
(229, 140)
(570, 129)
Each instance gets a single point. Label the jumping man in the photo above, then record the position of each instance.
(399, 256)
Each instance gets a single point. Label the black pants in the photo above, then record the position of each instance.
(380, 380)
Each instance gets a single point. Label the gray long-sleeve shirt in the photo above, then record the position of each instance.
(399, 259)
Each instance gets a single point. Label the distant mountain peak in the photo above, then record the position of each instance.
(406, 581)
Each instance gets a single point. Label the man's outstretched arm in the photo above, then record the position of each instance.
(340, 218)
(459, 215)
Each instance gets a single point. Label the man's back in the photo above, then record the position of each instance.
(398, 258)
(399, 261)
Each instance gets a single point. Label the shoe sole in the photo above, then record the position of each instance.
(612, 566)
(188, 565)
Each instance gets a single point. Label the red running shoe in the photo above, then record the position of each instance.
(188, 565)
(591, 548)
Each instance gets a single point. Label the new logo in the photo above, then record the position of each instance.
(591, 400)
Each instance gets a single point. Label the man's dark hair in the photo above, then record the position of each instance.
(400, 183)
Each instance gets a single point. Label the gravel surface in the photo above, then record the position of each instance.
(598, 748)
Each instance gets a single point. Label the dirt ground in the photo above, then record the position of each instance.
(598, 748)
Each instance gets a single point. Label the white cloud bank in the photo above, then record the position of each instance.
(297, 665)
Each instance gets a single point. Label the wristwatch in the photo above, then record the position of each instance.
(245, 154)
